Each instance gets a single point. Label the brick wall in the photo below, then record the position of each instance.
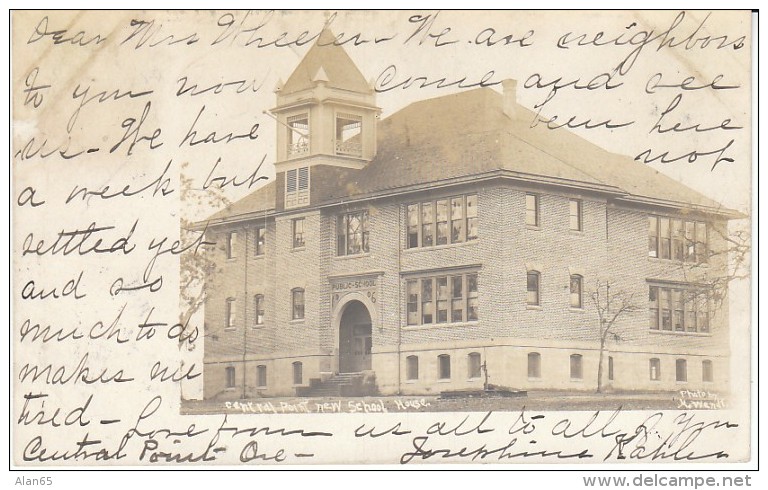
(612, 247)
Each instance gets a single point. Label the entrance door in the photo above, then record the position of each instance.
(355, 339)
(361, 350)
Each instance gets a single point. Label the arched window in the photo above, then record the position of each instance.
(654, 366)
(412, 368)
(707, 373)
(444, 366)
(576, 287)
(258, 309)
(534, 365)
(297, 304)
(474, 365)
(577, 370)
(298, 373)
(533, 280)
(261, 376)
(681, 370)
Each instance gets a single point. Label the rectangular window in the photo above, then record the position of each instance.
(655, 369)
(413, 225)
(610, 368)
(681, 370)
(653, 236)
(472, 314)
(261, 376)
(411, 368)
(258, 309)
(442, 222)
(677, 316)
(577, 371)
(701, 242)
(297, 231)
(666, 312)
(230, 313)
(677, 239)
(471, 217)
(532, 210)
(260, 239)
(457, 220)
(231, 244)
(427, 224)
(474, 365)
(533, 288)
(297, 304)
(576, 301)
(298, 373)
(352, 233)
(707, 373)
(412, 290)
(682, 310)
(534, 365)
(665, 240)
(427, 305)
(575, 215)
(230, 377)
(444, 366)
(690, 241)
(457, 299)
(653, 307)
(298, 135)
(702, 312)
(442, 299)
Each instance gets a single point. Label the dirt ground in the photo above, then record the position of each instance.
(535, 401)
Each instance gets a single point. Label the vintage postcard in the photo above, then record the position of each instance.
(381, 237)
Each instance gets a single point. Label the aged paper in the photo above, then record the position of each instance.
(304, 238)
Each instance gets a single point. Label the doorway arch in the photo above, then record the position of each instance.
(355, 338)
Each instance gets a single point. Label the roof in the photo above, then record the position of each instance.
(467, 135)
(328, 62)
(255, 204)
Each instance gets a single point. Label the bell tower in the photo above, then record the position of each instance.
(326, 114)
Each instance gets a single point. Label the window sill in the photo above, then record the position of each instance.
(299, 249)
(473, 380)
(230, 329)
(677, 262)
(573, 309)
(231, 259)
(352, 256)
(444, 380)
(576, 232)
(681, 334)
(259, 327)
(296, 321)
(259, 257)
(533, 227)
(535, 380)
(440, 247)
(440, 325)
(411, 381)
(533, 307)
(577, 380)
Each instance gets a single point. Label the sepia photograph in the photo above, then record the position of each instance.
(381, 237)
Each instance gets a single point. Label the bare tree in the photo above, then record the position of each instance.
(611, 306)
(195, 263)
